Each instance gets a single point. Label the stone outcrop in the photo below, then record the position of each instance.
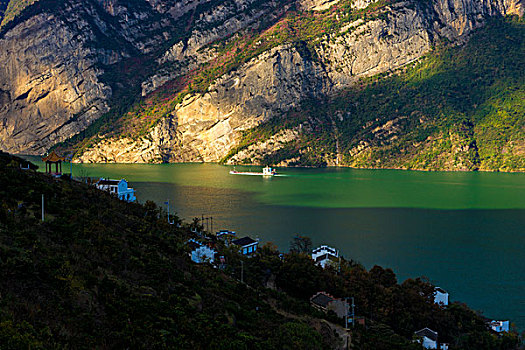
(51, 67)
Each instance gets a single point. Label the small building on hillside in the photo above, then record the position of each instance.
(53, 158)
(325, 255)
(325, 302)
(203, 254)
(499, 326)
(226, 235)
(427, 337)
(440, 296)
(118, 188)
(247, 245)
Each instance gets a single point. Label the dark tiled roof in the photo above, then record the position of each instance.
(108, 182)
(426, 332)
(441, 290)
(321, 299)
(53, 157)
(244, 241)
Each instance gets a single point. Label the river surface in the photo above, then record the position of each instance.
(464, 231)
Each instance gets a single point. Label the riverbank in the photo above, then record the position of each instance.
(102, 272)
(440, 225)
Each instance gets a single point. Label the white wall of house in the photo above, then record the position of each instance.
(500, 326)
(250, 248)
(203, 254)
(429, 343)
(324, 250)
(440, 297)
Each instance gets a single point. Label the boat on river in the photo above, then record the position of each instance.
(266, 171)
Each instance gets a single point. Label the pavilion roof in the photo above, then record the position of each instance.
(53, 157)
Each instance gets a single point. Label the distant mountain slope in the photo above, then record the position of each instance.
(460, 108)
(157, 81)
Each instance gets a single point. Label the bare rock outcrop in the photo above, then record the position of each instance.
(208, 125)
(52, 63)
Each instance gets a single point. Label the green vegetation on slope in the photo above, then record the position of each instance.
(102, 273)
(459, 108)
(12, 9)
(3, 6)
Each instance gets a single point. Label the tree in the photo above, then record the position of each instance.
(301, 244)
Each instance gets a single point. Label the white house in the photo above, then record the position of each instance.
(427, 338)
(440, 296)
(248, 245)
(203, 254)
(225, 234)
(499, 326)
(324, 255)
(117, 187)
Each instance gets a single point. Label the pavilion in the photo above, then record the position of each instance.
(53, 158)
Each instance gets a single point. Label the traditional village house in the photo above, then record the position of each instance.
(427, 337)
(325, 255)
(247, 245)
(325, 302)
(440, 296)
(226, 236)
(499, 326)
(117, 187)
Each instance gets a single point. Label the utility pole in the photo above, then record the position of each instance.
(168, 211)
(346, 313)
(42, 207)
(71, 166)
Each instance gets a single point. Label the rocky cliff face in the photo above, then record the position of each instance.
(52, 62)
(52, 86)
(208, 125)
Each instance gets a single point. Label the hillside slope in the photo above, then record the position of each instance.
(460, 108)
(102, 273)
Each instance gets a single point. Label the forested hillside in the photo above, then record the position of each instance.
(459, 108)
(102, 273)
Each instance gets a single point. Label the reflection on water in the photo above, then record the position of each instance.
(465, 231)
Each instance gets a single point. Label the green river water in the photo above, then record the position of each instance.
(464, 231)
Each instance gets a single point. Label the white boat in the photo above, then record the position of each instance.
(266, 171)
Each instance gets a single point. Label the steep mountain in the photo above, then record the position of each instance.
(153, 81)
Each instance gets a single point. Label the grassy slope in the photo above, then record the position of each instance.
(460, 108)
(101, 273)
